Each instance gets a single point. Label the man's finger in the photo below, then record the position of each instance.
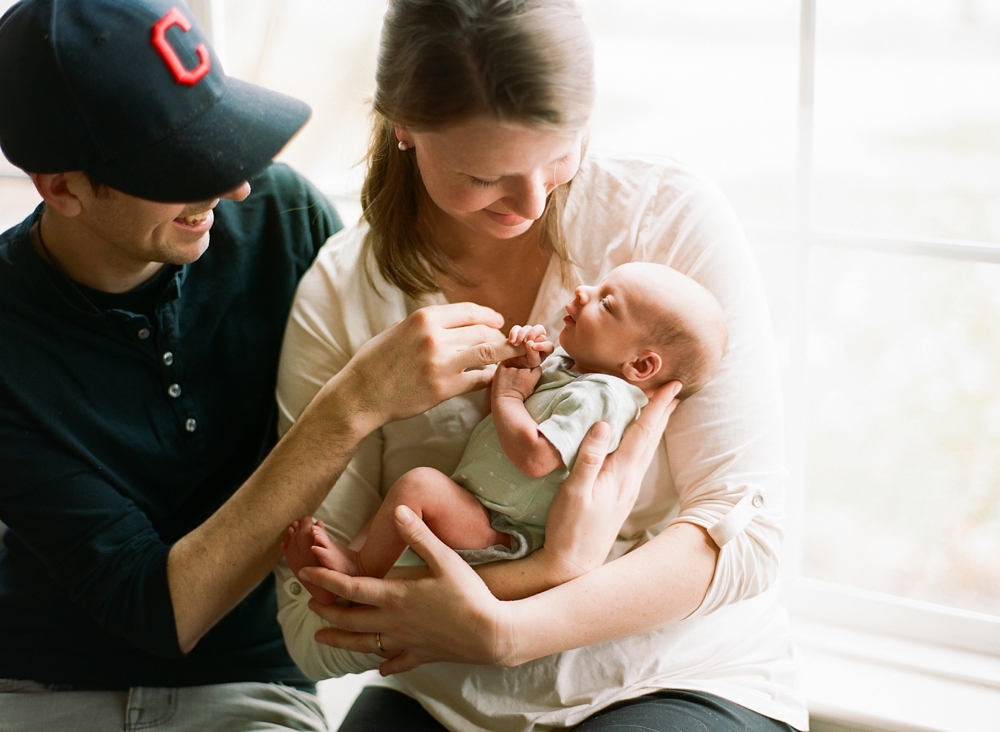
(456, 315)
(475, 380)
(483, 354)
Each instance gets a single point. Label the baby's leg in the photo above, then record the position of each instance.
(298, 548)
(450, 511)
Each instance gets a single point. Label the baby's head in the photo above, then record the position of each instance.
(648, 324)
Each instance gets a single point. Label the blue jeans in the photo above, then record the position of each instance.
(238, 707)
(379, 709)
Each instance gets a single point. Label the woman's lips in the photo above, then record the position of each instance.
(506, 219)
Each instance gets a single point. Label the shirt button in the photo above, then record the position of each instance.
(174, 390)
(143, 334)
(757, 500)
(168, 358)
(191, 425)
(295, 588)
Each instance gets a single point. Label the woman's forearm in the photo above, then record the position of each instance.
(661, 582)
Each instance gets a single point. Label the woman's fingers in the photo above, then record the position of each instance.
(422, 540)
(362, 590)
(405, 661)
(591, 454)
(641, 438)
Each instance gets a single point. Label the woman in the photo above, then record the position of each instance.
(477, 190)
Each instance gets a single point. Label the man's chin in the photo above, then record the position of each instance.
(187, 253)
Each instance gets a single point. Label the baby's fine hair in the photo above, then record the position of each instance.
(690, 335)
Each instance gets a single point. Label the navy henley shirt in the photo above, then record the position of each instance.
(122, 431)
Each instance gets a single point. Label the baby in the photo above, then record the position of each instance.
(642, 326)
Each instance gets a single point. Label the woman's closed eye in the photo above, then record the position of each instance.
(483, 183)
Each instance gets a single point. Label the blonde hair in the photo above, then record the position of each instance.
(443, 62)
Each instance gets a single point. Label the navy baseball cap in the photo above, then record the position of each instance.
(130, 92)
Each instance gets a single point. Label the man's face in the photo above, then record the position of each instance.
(142, 231)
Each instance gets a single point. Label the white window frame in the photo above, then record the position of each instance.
(870, 659)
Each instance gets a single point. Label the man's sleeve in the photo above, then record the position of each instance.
(93, 542)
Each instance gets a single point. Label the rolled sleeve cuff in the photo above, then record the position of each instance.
(746, 565)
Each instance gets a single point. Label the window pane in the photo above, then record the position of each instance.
(714, 84)
(321, 51)
(907, 128)
(903, 483)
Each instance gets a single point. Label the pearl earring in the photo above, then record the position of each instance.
(402, 146)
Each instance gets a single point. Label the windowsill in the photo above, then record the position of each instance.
(860, 679)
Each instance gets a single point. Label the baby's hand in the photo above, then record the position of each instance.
(537, 347)
(514, 381)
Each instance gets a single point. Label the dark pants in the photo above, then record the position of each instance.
(378, 709)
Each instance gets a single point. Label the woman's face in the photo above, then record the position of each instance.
(489, 176)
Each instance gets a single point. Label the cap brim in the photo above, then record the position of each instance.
(230, 143)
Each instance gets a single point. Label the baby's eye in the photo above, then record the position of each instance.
(604, 304)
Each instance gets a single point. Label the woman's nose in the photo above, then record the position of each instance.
(530, 198)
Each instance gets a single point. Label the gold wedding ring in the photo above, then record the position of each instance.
(378, 642)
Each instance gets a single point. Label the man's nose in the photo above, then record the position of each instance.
(238, 193)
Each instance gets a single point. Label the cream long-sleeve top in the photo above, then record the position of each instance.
(720, 464)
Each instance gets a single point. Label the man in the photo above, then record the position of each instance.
(138, 367)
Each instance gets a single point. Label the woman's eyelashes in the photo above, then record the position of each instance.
(483, 183)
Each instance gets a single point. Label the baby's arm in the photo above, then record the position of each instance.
(514, 382)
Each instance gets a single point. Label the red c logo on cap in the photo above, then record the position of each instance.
(169, 55)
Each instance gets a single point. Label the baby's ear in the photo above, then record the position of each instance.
(643, 367)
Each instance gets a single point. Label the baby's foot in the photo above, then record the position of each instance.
(332, 554)
(297, 547)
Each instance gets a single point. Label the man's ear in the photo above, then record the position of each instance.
(59, 191)
(643, 367)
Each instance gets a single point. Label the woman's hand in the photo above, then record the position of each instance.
(445, 614)
(436, 353)
(592, 505)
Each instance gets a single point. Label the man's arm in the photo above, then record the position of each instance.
(212, 568)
